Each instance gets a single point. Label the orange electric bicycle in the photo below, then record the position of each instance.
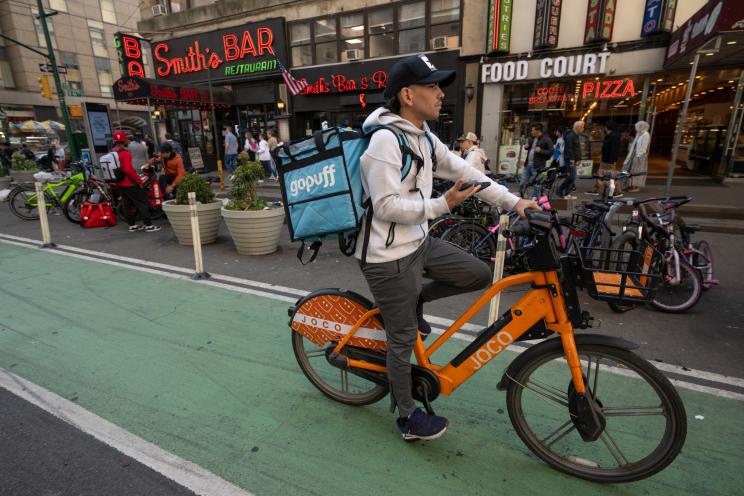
(584, 403)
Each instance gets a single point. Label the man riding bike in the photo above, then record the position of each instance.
(396, 251)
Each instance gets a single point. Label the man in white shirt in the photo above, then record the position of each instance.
(471, 153)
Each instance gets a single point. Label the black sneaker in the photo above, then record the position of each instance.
(421, 425)
(423, 326)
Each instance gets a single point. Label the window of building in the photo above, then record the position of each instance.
(180, 5)
(60, 5)
(107, 11)
(445, 21)
(301, 44)
(105, 77)
(411, 23)
(381, 32)
(376, 32)
(40, 30)
(69, 60)
(6, 75)
(97, 39)
(352, 34)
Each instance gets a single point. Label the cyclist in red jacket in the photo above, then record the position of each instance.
(132, 194)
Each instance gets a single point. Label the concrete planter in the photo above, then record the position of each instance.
(5, 182)
(179, 217)
(23, 176)
(255, 232)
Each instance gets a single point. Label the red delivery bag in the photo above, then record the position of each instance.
(97, 215)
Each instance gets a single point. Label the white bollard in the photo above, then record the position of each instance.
(46, 238)
(196, 237)
(498, 267)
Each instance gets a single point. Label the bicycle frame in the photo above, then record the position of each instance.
(545, 301)
(50, 191)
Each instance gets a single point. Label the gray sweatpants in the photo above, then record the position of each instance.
(396, 287)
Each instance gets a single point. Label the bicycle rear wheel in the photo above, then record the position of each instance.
(473, 238)
(441, 224)
(702, 259)
(645, 420)
(23, 203)
(318, 322)
(71, 208)
(679, 297)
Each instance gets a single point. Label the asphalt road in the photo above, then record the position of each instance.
(206, 373)
(710, 337)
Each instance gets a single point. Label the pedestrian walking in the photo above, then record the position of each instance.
(130, 188)
(637, 160)
(264, 156)
(560, 146)
(231, 149)
(470, 151)
(273, 144)
(250, 145)
(138, 150)
(571, 158)
(539, 150)
(610, 154)
(150, 144)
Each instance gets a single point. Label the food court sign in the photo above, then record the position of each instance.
(241, 52)
(582, 64)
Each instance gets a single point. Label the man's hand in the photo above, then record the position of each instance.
(538, 149)
(168, 189)
(454, 196)
(523, 205)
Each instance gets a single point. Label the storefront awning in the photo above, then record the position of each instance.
(724, 18)
(139, 91)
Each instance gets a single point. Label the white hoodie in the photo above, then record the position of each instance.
(392, 199)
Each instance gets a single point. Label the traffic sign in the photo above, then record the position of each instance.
(48, 68)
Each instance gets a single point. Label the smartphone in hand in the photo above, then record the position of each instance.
(469, 184)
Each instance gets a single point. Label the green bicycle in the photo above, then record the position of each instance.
(24, 202)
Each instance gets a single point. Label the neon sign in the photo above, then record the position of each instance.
(340, 83)
(616, 88)
(129, 53)
(245, 51)
(549, 94)
(600, 19)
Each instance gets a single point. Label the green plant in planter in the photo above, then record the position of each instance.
(197, 184)
(244, 181)
(20, 162)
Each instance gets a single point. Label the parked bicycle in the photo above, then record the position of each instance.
(24, 202)
(655, 222)
(583, 403)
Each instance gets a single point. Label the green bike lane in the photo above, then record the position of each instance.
(209, 375)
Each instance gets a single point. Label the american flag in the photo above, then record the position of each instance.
(295, 87)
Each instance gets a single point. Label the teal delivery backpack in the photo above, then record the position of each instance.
(321, 183)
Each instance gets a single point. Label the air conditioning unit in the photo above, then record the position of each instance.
(159, 9)
(439, 43)
(353, 54)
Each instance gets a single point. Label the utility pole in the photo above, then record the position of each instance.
(60, 90)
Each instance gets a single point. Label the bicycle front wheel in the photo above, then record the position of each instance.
(23, 203)
(645, 420)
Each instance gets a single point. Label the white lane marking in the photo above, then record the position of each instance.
(174, 268)
(32, 243)
(183, 472)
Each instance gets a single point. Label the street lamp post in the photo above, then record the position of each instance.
(60, 90)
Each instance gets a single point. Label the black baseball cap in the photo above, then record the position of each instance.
(416, 69)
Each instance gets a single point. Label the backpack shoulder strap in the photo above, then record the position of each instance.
(432, 150)
(406, 152)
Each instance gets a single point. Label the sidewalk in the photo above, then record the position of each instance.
(715, 207)
(209, 375)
